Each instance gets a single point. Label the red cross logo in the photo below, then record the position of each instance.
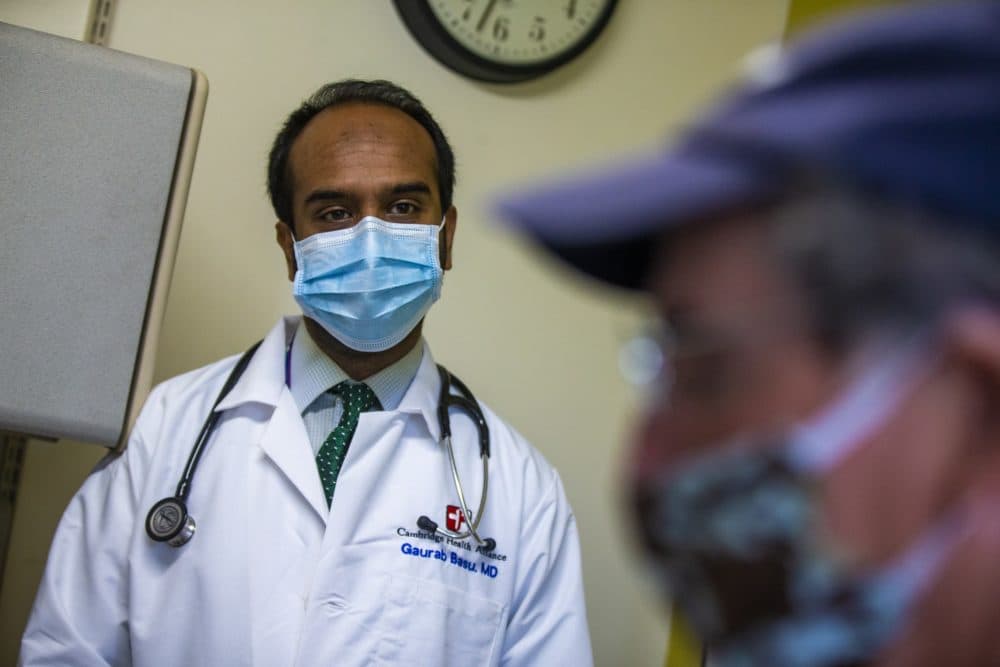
(454, 518)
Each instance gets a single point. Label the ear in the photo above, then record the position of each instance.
(974, 333)
(972, 337)
(448, 236)
(286, 241)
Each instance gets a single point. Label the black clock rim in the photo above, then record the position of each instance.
(420, 20)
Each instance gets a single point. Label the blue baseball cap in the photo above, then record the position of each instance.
(903, 103)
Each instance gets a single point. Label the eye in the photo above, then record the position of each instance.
(334, 214)
(703, 375)
(404, 208)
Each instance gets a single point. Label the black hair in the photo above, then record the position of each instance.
(381, 92)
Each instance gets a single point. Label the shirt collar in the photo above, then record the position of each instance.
(312, 373)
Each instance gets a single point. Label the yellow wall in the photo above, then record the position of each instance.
(806, 14)
(538, 345)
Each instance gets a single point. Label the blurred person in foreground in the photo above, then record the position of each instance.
(817, 480)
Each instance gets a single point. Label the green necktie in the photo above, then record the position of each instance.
(357, 397)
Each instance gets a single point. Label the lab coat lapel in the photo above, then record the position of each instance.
(422, 396)
(284, 439)
(264, 378)
(286, 443)
(377, 440)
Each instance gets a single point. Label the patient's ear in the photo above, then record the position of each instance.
(972, 341)
(972, 337)
(974, 332)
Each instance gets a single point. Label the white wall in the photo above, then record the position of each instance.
(535, 343)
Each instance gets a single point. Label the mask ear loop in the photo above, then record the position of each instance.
(440, 245)
(864, 407)
(925, 559)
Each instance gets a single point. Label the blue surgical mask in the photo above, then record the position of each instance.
(734, 538)
(371, 284)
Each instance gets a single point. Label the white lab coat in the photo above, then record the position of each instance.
(272, 577)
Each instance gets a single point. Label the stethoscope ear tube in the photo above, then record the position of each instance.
(168, 520)
(470, 405)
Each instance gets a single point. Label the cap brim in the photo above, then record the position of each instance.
(605, 223)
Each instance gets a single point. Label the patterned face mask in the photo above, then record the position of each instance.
(734, 538)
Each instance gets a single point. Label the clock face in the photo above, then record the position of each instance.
(505, 41)
(518, 33)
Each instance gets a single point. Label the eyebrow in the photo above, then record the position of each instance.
(401, 189)
(683, 321)
(325, 195)
(407, 188)
(678, 314)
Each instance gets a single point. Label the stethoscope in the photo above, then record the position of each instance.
(169, 521)
(466, 402)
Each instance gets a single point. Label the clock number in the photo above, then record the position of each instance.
(501, 29)
(537, 32)
(571, 9)
(486, 16)
(467, 14)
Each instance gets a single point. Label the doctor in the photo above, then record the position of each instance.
(327, 450)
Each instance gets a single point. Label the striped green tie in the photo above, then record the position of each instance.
(357, 397)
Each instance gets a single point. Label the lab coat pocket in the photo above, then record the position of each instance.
(429, 623)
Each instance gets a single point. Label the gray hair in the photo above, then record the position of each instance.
(867, 265)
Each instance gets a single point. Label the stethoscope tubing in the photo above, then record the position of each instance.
(169, 520)
(184, 485)
(467, 403)
(472, 519)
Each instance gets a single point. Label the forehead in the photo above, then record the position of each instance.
(358, 144)
(722, 268)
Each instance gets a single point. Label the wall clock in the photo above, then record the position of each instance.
(505, 41)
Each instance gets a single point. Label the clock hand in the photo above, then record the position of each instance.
(486, 15)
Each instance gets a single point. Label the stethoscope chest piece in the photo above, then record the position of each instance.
(168, 521)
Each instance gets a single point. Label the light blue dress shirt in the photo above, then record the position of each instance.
(312, 374)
